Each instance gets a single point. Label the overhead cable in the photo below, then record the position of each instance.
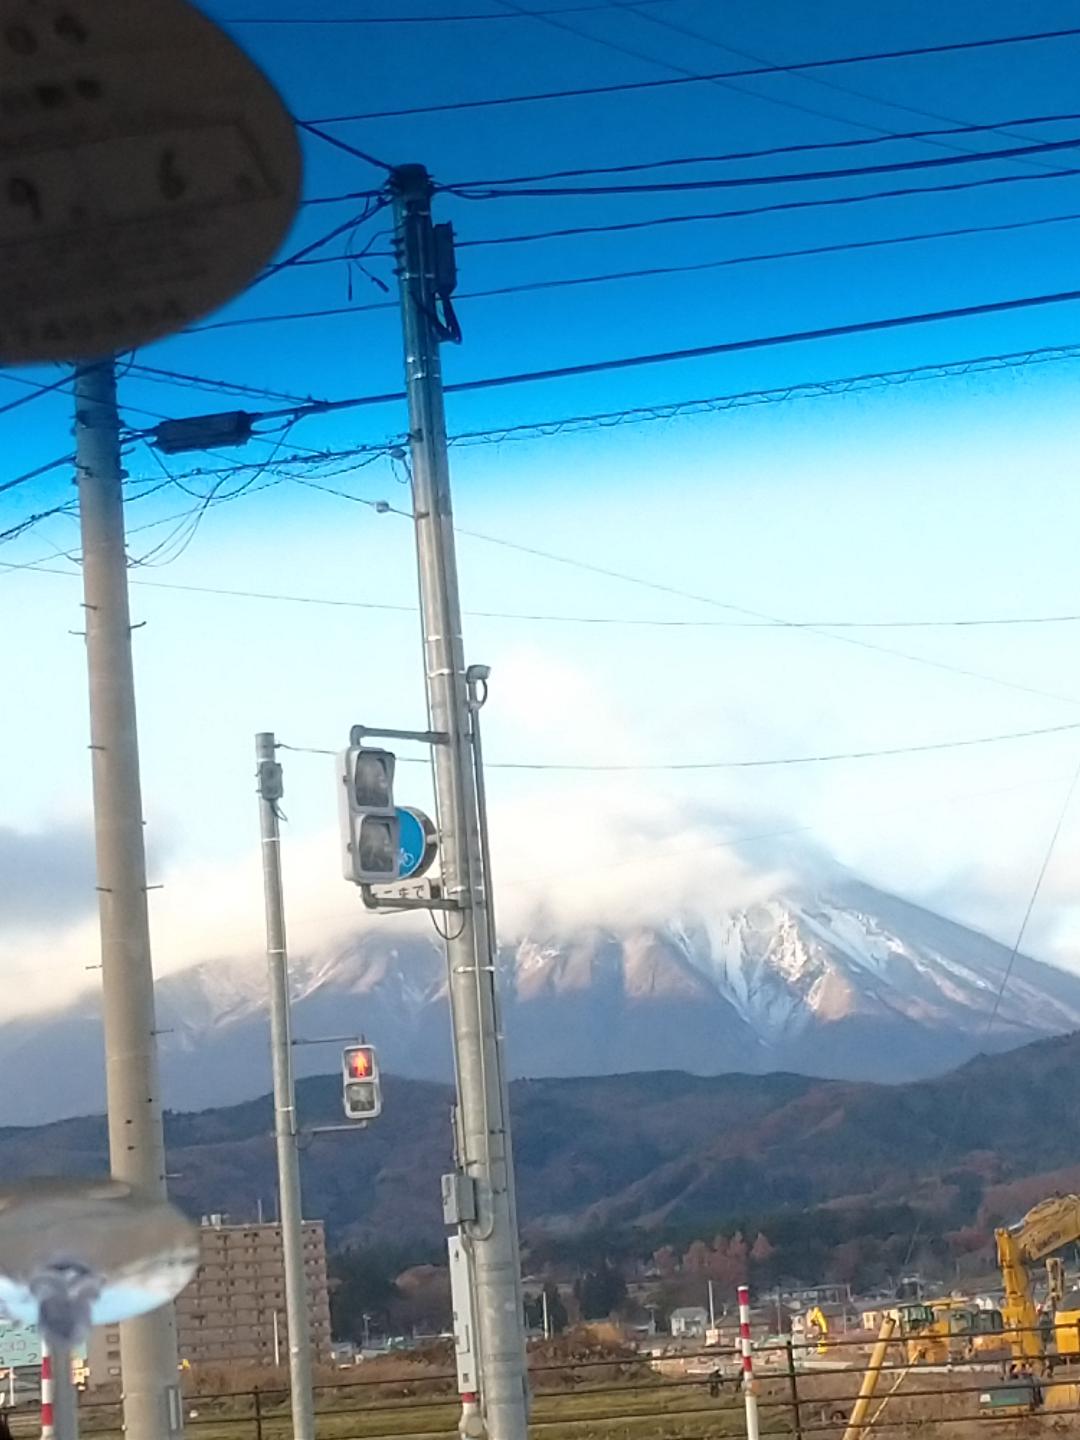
(767, 152)
(618, 621)
(843, 638)
(820, 80)
(357, 20)
(821, 202)
(648, 272)
(822, 759)
(630, 86)
(736, 182)
(695, 352)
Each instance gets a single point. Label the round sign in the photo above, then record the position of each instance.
(418, 844)
(148, 170)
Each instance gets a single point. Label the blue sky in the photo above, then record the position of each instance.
(938, 499)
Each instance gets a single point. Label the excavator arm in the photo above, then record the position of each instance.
(1045, 1228)
(816, 1317)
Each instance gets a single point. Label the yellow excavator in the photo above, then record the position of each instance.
(1038, 1338)
(816, 1319)
(947, 1331)
(1045, 1228)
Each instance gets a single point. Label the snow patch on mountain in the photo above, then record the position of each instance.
(826, 976)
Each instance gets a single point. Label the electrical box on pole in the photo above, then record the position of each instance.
(203, 432)
(461, 1303)
(370, 826)
(361, 1086)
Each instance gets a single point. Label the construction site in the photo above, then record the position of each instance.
(1007, 1357)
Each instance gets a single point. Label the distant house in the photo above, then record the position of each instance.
(690, 1322)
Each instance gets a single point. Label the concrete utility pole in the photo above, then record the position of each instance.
(483, 1121)
(285, 1128)
(136, 1136)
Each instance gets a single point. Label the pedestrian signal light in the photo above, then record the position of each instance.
(360, 1062)
(370, 827)
(373, 779)
(362, 1087)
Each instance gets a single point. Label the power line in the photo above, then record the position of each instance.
(155, 374)
(619, 621)
(312, 129)
(841, 638)
(39, 389)
(39, 470)
(731, 347)
(804, 390)
(21, 526)
(325, 314)
(822, 759)
(627, 86)
(669, 410)
(762, 257)
(726, 347)
(811, 79)
(310, 200)
(748, 212)
(695, 352)
(382, 507)
(298, 257)
(355, 20)
(652, 271)
(621, 48)
(735, 182)
(771, 151)
(1006, 975)
(64, 384)
(609, 419)
(668, 767)
(744, 212)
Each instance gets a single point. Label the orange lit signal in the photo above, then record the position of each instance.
(360, 1063)
(362, 1089)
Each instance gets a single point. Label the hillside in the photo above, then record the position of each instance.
(660, 1151)
(827, 976)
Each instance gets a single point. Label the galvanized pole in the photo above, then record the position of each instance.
(484, 1152)
(65, 1396)
(136, 1136)
(285, 1127)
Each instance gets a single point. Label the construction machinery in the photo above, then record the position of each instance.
(816, 1321)
(1046, 1227)
(1039, 1337)
(943, 1332)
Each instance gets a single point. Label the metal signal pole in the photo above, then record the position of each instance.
(483, 1124)
(136, 1135)
(285, 1126)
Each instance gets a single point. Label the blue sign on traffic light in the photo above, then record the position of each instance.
(417, 844)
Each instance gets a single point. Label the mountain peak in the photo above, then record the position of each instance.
(832, 979)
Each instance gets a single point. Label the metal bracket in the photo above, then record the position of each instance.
(359, 733)
(329, 1040)
(334, 1129)
(370, 903)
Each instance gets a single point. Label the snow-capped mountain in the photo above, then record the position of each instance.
(835, 979)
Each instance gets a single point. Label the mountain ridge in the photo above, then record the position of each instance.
(832, 978)
(650, 1153)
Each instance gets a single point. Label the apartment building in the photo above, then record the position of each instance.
(233, 1312)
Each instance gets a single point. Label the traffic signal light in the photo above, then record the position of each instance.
(370, 826)
(362, 1086)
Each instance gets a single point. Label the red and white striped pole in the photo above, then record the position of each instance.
(749, 1393)
(471, 1423)
(48, 1430)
